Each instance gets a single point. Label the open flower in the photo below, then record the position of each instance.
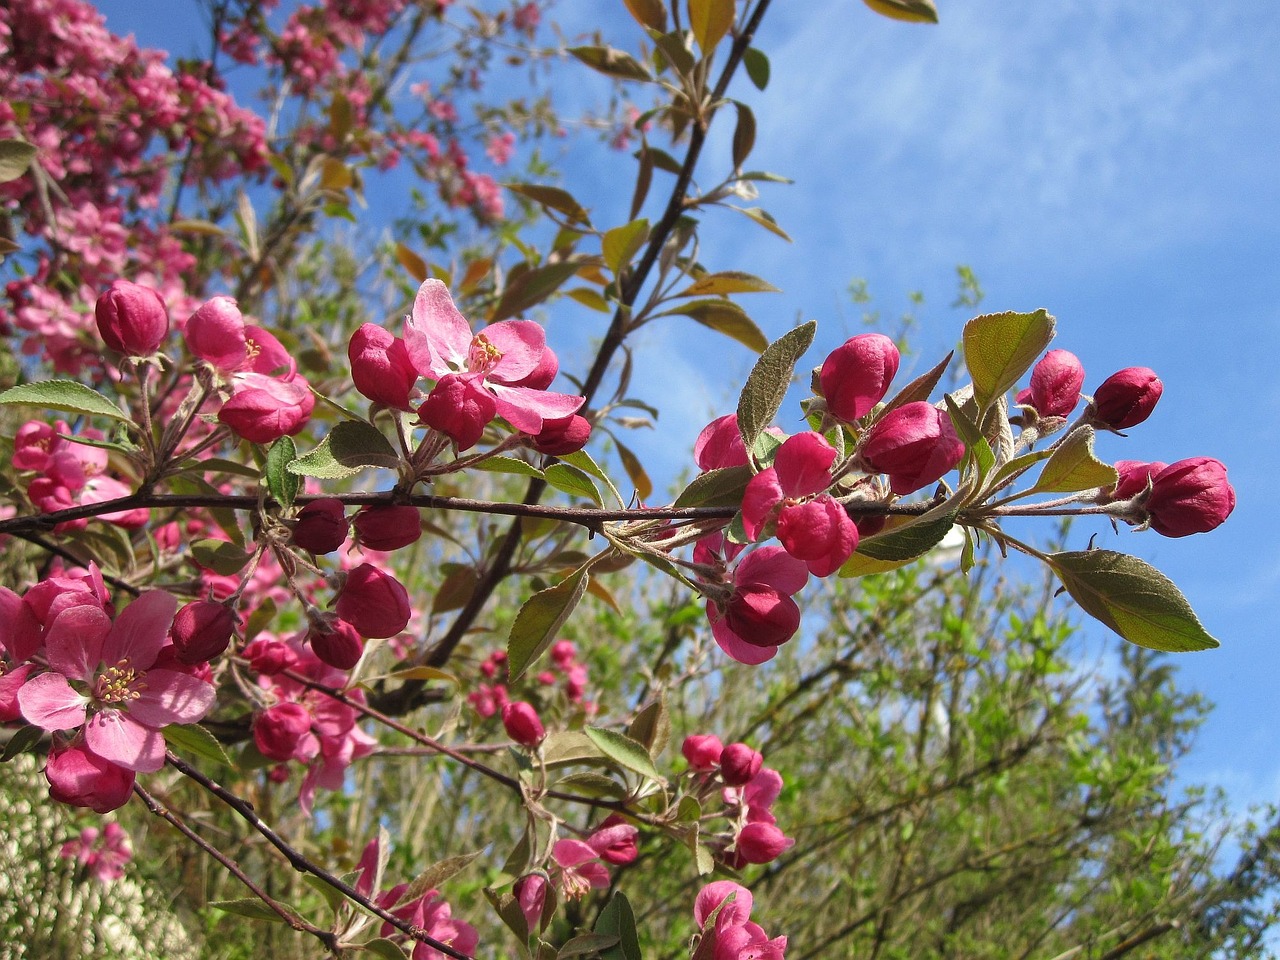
(496, 360)
(758, 614)
(102, 677)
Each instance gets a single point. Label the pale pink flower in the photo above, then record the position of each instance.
(580, 869)
(104, 853)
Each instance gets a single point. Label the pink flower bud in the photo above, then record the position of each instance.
(762, 843)
(703, 751)
(132, 319)
(915, 444)
(1190, 496)
(269, 657)
(856, 376)
(202, 630)
(388, 528)
(738, 764)
(459, 408)
(84, 779)
(339, 647)
(1126, 398)
(720, 445)
(761, 615)
(1055, 383)
(215, 332)
(380, 366)
(1134, 476)
(281, 732)
(615, 840)
(531, 893)
(321, 526)
(267, 409)
(374, 602)
(562, 436)
(522, 724)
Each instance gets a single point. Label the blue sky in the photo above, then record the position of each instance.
(1115, 163)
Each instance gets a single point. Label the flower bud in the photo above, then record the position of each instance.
(1134, 477)
(762, 843)
(321, 526)
(202, 630)
(738, 764)
(388, 528)
(340, 646)
(132, 319)
(459, 408)
(914, 444)
(615, 840)
(762, 615)
(267, 409)
(280, 732)
(562, 436)
(83, 779)
(1055, 383)
(720, 445)
(269, 657)
(215, 332)
(856, 376)
(374, 602)
(1190, 496)
(380, 366)
(522, 724)
(703, 751)
(1126, 398)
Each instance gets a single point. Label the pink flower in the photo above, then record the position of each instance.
(460, 408)
(132, 319)
(1055, 383)
(387, 527)
(1190, 496)
(531, 894)
(283, 732)
(340, 646)
(82, 779)
(264, 409)
(738, 764)
(104, 853)
(733, 936)
(615, 840)
(856, 375)
(702, 751)
(561, 437)
(321, 526)
(202, 630)
(1135, 475)
(380, 366)
(720, 444)
(440, 343)
(374, 602)
(1126, 398)
(762, 843)
(119, 699)
(915, 444)
(580, 868)
(500, 147)
(811, 525)
(216, 333)
(758, 614)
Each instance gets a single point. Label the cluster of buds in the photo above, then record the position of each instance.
(748, 790)
(568, 677)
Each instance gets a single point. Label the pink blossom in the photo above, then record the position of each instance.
(1190, 496)
(915, 444)
(132, 319)
(531, 894)
(81, 778)
(522, 723)
(761, 843)
(103, 853)
(739, 764)
(720, 444)
(733, 935)
(1055, 383)
(264, 409)
(321, 526)
(759, 614)
(380, 366)
(119, 699)
(856, 375)
(500, 147)
(615, 840)
(580, 869)
(702, 751)
(374, 602)
(1126, 398)
(440, 343)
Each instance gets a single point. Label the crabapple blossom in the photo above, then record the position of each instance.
(733, 936)
(531, 894)
(380, 366)
(522, 723)
(265, 409)
(459, 408)
(283, 732)
(1190, 496)
(81, 778)
(738, 764)
(914, 444)
(1055, 383)
(1126, 398)
(103, 853)
(856, 375)
(758, 614)
(1135, 477)
(387, 527)
(336, 643)
(615, 840)
(321, 526)
(132, 319)
(216, 333)
(563, 436)
(202, 630)
(761, 843)
(720, 444)
(579, 868)
(702, 751)
(374, 602)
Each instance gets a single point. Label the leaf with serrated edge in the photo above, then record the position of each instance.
(1074, 466)
(66, 396)
(540, 619)
(652, 728)
(618, 919)
(434, 876)
(281, 484)
(195, 740)
(1133, 598)
(350, 447)
(623, 750)
(900, 544)
(507, 465)
(582, 460)
(1000, 347)
(382, 947)
(575, 482)
(767, 384)
(722, 487)
(569, 746)
(251, 907)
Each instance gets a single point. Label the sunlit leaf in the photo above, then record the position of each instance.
(538, 623)
(67, 396)
(769, 380)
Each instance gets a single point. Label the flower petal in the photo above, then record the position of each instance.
(804, 463)
(525, 408)
(114, 735)
(437, 336)
(172, 697)
(763, 493)
(141, 630)
(521, 343)
(49, 702)
(735, 646)
(771, 566)
(74, 642)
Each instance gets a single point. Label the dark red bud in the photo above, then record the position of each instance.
(132, 319)
(1126, 398)
(321, 526)
(202, 630)
(388, 527)
(738, 764)
(340, 646)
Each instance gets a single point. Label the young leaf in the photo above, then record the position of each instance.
(554, 198)
(649, 13)
(540, 619)
(620, 244)
(281, 484)
(251, 907)
(533, 287)
(512, 465)
(21, 740)
(744, 134)
(623, 750)
(757, 65)
(975, 443)
(582, 460)
(725, 282)
(195, 740)
(635, 471)
(1073, 465)
(724, 316)
(908, 11)
(919, 388)
(350, 447)
(612, 63)
(66, 396)
(1133, 598)
(384, 948)
(652, 728)
(767, 384)
(435, 875)
(15, 158)
(617, 919)
(223, 558)
(588, 944)
(764, 218)
(1000, 347)
(716, 488)
(710, 20)
(574, 482)
(899, 545)
(413, 264)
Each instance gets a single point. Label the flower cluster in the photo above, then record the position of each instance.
(103, 853)
(576, 867)
(731, 933)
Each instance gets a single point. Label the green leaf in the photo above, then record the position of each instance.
(975, 443)
(623, 750)
(591, 784)
(722, 487)
(908, 11)
(350, 447)
(582, 460)
(21, 740)
(651, 728)
(15, 158)
(532, 287)
(622, 243)
(635, 471)
(744, 134)
(574, 482)
(568, 747)
(281, 484)
(649, 13)
(540, 619)
(1133, 598)
(919, 388)
(1000, 347)
(434, 876)
(710, 20)
(757, 65)
(764, 218)
(1073, 465)
(512, 465)
(673, 49)
(588, 943)
(553, 198)
(66, 396)
(769, 380)
(723, 316)
(382, 947)
(612, 62)
(899, 544)
(252, 908)
(726, 282)
(193, 739)
(617, 919)
(223, 558)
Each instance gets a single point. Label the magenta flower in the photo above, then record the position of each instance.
(103, 853)
(497, 359)
(80, 778)
(733, 936)
(758, 615)
(1055, 383)
(720, 444)
(1126, 398)
(580, 868)
(121, 701)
